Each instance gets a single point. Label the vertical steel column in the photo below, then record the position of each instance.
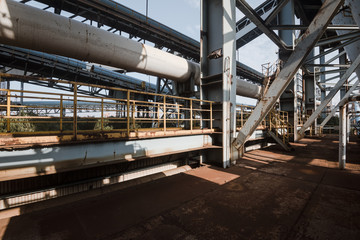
(8, 110)
(347, 125)
(310, 88)
(61, 113)
(288, 99)
(218, 73)
(342, 61)
(229, 81)
(301, 51)
(342, 137)
(75, 111)
(322, 80)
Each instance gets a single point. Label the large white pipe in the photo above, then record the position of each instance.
(28, 27)
(32, 28)
(247, 89)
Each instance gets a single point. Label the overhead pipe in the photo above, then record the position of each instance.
(28, 27)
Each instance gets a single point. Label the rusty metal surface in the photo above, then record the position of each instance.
(47, 160)
(268, 195)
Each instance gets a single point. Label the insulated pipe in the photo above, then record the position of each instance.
(247, 89)
(28, 27)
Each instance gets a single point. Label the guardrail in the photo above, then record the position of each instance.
(48, 113)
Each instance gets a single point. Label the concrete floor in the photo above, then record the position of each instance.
(269, 194)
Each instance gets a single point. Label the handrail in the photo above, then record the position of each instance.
(64, 113)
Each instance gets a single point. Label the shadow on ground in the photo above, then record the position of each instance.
(269, 194)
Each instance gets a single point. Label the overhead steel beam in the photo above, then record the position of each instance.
(276, 11)
(304, 27)
(341, 102)
(330, 96)
(333, 49)
(244, 7)
(246, 31)
(338, 38)
(294, 62)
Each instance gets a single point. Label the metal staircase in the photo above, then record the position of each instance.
(279, 128)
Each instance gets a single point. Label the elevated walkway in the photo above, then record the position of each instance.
(268, 193)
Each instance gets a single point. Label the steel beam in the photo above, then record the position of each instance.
(348, 42)
(339, 38)
(341, 102)
(294, 62)
(330, 96)
(276, 11)
(217, 75)
(244, 7)
(342, 137)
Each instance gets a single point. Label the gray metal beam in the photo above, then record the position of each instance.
(339, 38)
(304, 27)
(341, 102)
(333, 49)
(342, 137)
(244, 7)
(276, 11)
(330, 96)
(296, 59)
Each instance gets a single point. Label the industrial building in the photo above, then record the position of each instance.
(114, 125)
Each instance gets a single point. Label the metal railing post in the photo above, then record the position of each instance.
(211, 116)
(133, 115)
(61, 113)
(8, 110)
(128, 113)
(164, 113)
(102, 114)
(75, 112)
(191, 114)
(242, 116)
(178, 114)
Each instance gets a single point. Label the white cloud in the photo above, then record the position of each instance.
(194, 3)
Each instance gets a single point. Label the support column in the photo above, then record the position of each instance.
(342, 61)
(348, 126)
(342, 137)
(310, 88)
(218, 71)
(288, 100)
(322, 80)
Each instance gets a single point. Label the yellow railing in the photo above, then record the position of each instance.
(73, 113)
(278, 121)
(243, 112)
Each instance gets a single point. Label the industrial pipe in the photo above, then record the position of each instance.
(32, 28)
(28, 27)
(247, 89)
